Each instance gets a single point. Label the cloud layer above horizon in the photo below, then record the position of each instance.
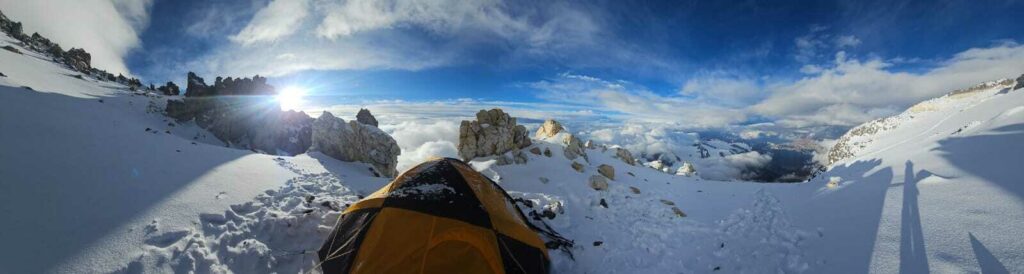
(678, 64)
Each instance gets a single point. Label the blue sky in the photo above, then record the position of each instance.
(699, 63)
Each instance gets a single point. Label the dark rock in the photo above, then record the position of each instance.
(603, 203)
(253, 120)
(598, 243)
(169, 89)
(80, 60)
(12, 49)
(1020, 82)
(365, 117)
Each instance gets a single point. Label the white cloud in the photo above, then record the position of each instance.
(723, 89)
(278, 19)
(853, 91)
(843, 41)
(634, 102)
(732, 167)
(422, 140)
(106, 29)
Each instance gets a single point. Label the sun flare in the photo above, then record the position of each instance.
(291, 98)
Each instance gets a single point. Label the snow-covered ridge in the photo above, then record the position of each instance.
(857, 140)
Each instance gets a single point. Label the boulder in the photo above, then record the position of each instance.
(547, 152)
(544, 179)
(535, 150)
(365, 117)
(589, 144)
(355, 142)
(549, 129)
(634, 190)
(577, 166)
(493, 133)
(574, 148)
(624, 155)
(686, 169)
(519, 157)
(598, 182)
(607, 171)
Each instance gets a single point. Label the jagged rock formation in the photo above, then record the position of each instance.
(76, 59)
(549, 129)
(253, 121)
(493, 133)
(364, 116)
(1020, 82)
(169, 89)
(354, 141)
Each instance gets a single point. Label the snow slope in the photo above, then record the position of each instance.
(86, 188)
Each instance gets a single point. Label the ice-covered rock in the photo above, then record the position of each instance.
(686, 169)
(364, 116)
(355, 142)
(493, 133)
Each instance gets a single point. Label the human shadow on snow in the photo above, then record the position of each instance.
(913, 258)
(984, 155)
(844, 228)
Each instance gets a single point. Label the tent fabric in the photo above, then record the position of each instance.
(439, 217)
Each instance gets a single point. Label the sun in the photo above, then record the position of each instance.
(291, 98)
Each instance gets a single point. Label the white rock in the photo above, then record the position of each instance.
(355, 142)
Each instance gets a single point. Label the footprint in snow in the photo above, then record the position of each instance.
(166, 239)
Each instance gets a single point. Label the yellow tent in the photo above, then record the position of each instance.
(439, 217)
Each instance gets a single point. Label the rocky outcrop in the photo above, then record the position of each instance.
(493, 133)
(624, 155)
(574, 147)
(606, 170)
(365, 117)
(78, 59)
(169, 89)
(548, 129)
(252, 121)
(354, 141)
(1019, 82)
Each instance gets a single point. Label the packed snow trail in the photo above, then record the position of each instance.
(279, 231)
